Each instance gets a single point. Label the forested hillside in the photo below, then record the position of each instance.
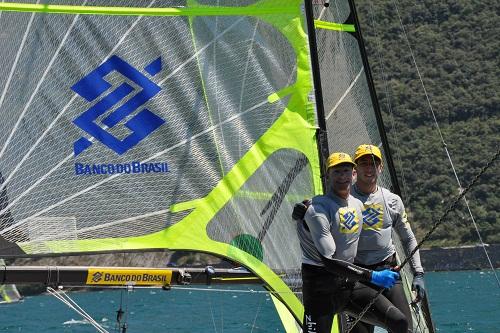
(456, 46)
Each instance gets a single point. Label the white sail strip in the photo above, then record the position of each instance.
(245, 73)
(39, 84)
(345, 93)
(323, 10)
(16, 59)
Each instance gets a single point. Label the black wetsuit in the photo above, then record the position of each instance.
(395, 295)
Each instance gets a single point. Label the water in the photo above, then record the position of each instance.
(467, 301)
(460, 302)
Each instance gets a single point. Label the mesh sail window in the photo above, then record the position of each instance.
(184, 125)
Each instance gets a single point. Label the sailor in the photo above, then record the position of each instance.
(383, 211)
(329, 235)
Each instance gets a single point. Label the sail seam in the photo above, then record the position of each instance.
(14, 64)
(318, 24)
(345, 93)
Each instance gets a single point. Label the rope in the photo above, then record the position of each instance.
(259, 307)
(416, 309)
(4, 272)
(121, 322)
(389, 104)
(451, 208)
(445, 146)
(63, 297)
(435, 225)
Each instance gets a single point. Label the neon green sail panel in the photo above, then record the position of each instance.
(158, 124)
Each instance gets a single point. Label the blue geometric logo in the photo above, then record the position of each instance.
(94, 85)
(371, 216)
(349, 220)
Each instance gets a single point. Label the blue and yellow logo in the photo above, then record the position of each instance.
(349, 221)
(373, 217)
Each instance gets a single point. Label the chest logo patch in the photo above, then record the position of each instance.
(349, 220)
(373, 217)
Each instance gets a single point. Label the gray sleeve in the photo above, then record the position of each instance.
(316, 218)
(403, 229)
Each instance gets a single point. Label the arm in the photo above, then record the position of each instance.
(385, 278)
(319, 227)
(403, 229)
(316, 218)
(344, 268)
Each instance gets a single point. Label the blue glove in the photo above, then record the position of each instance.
(385, 278)
(299, 210)
(418, 286)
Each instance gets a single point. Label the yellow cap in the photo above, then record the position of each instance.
(338, 158)
(367, 150)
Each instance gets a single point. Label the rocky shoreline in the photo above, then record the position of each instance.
(471, 257)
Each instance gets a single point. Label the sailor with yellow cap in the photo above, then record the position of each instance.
(329, 235)
(383, 211)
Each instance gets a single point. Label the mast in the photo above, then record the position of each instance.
(321, 134)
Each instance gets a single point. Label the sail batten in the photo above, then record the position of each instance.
(146, 11)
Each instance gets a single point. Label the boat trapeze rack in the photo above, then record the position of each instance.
(123, 276)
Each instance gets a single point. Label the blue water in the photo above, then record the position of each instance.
(460, 302)
(467, 301)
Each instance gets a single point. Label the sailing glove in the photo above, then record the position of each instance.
(299, 210)
(418, 286)
(385, 278)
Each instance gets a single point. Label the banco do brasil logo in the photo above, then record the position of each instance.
(96, 277)
(94, 85)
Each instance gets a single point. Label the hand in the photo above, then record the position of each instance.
(299, 210)
(385, 278)
(418, 286)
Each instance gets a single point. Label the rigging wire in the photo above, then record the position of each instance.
(250, 291)
(414, 306)
(429, 233)
(445, 146)
(388, 101)
(121, 322)
(63, 297)
(259, 307)
(212, 315)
